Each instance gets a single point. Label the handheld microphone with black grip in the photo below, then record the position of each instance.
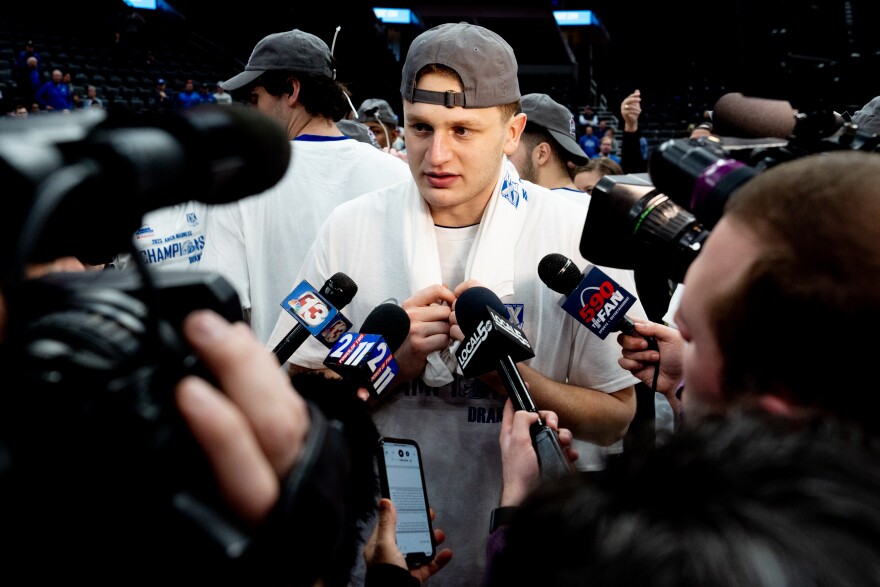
(317, 313)
(591, 297)
(366, 358)
(492, 342)
(584, 300)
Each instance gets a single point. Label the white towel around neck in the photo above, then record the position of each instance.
(491, 260)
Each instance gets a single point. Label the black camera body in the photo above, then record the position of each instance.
(93, 429)
(109, 334)
(100, 475)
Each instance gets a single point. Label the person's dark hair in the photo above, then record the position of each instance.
(817, 281)
(747, 500)
(320, 95)
(534, 135)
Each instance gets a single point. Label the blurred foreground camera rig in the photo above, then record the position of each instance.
(658, 221)
(99, 474)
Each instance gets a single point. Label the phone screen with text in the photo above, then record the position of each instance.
(407, 491)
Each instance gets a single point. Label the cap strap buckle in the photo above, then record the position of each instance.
(449, 98)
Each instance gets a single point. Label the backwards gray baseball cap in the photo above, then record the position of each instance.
(484, 61)
(294, 50)
(376, 109)
(547, 113)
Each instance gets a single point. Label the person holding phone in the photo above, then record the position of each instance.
(386, 564)
(403, 539)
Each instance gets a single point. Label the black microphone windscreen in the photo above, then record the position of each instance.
(339, 290)
(390, 321)
(736, 115)
(559, 273)
(470, 307)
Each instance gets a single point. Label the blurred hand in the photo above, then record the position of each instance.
(399, 154)
(252, 431)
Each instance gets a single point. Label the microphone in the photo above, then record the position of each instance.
(317, 313)
(601, 308)
(491, 341)
(366, 358)
(592, 298)
(736, 115)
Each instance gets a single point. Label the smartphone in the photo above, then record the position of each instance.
(403, 481)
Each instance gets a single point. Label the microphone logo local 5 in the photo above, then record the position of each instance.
(598, 302)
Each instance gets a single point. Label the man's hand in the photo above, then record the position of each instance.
(641, 361)
(455, 331)
(519, 461)
(630, 109)
(254, 430)
(428, 311)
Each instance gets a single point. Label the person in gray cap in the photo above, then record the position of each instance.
(378, 115)
(259, 242)
(466, 218)
(358, 131)
(548, 144)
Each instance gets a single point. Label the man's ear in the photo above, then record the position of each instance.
(542, 153)
(515, 128)
(295, 86)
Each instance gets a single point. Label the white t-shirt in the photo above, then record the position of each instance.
(258, 243)
(170, 238)
(674, 301)
(664, 418)
(457, 424)
(574, 195)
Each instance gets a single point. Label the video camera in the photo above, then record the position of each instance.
(96, 355)
(658, 221)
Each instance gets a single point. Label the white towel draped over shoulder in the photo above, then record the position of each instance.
(491, 260)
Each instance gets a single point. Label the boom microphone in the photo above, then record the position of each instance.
(491, 341)
(317, 313)
(366, 358)
(736, 115)
(739, 116)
